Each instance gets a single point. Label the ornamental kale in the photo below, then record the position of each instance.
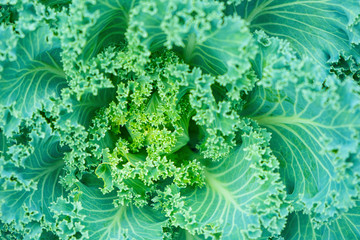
(180, 119)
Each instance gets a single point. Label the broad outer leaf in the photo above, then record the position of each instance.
(74, 118)
(97, 24)
(104, 221)
(320, 29)
(240, 196)
(30, 82)
(313, 132)
(197, 32)
(91, 27)
(314, 129)
(345, 227)
(42, 171)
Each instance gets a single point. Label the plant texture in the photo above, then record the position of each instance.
(180, 119)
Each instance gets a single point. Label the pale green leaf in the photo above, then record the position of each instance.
(240, 196)
(36, 77)
(197, 32)
(320, 29)
(314, 129)
(101, 22)
(104, 221)
(313, 132)
(82, 111)
(27, 191)
(345, 227)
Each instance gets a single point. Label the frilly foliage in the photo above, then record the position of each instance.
(180, 119)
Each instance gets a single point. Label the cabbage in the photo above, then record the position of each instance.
(179, 119)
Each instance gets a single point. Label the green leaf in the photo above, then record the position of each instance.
(347, 66)
(298, 227)
(8, 122)
(73, 120)
(320, 29)
(88, 38)
(8, 14)
(36, 77)
(181, 234)
(314, 129)
(8, 41)
(57, 4)
(3, 144)
(196, 31)
(82, 111)
(240, 196)
(104, 171)
(7, 232)
(97, 24)
(104, 221)
(346, 226)
(27, 191)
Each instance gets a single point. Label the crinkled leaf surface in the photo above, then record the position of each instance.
(35, 77)
(346, 226)
(314, 129)
(213, 44)
(28, 190)
(240, 196)
(320, 29)
(56, 3)
(169, 119)
(104, 221)
(98, 24)
(82, 111)
(311, 139)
